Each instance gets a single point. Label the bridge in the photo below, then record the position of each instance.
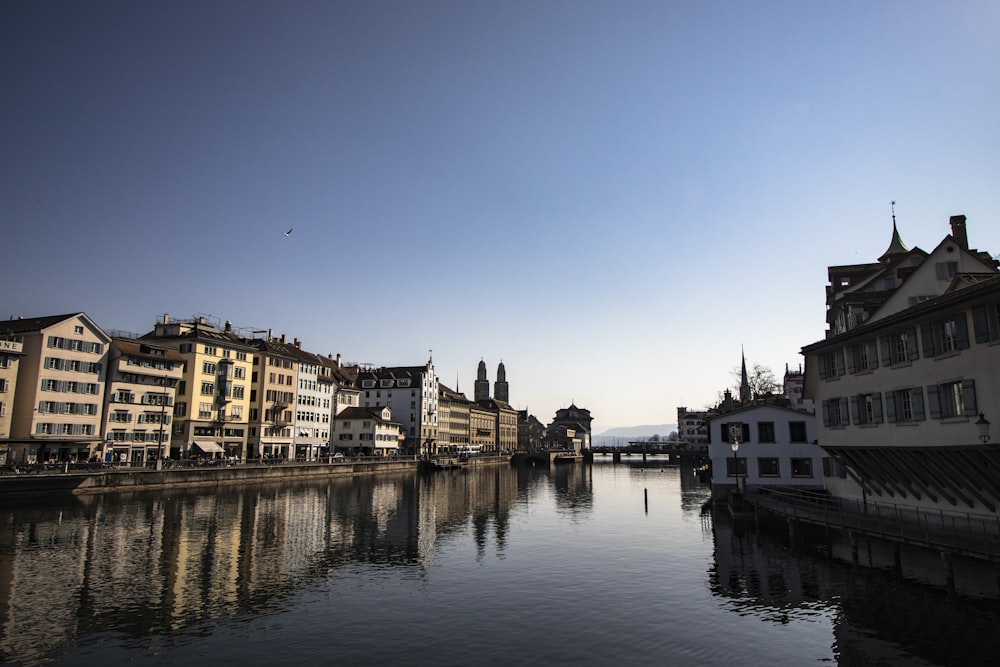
(675, 450)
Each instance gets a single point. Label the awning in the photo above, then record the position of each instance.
(208, 447)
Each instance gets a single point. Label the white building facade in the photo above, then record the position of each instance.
(776, 448)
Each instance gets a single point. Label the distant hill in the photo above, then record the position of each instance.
(634, 433)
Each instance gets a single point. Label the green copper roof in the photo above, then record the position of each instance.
(896, 246)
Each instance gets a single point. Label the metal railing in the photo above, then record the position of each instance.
(976, 535)
(64, 467)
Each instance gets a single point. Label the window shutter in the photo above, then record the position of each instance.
(877, 407)
(933, 401)
(890, 406)
(969, 397)
(961, 332)
(942, 270)
(927, 338)
(855, 414)
(746, 432)
(980, 324)
(886, 354)
(845, 418)
(839, 362)
(823, 370)
(917, 403)
(852, 359)
(911, 344)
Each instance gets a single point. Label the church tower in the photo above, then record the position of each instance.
(500, 391)
(482, 387)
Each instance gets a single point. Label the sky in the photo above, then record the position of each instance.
(613, 198)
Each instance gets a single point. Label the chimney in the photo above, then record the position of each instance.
(166, 318)
(229, 325)
(282, 339)
(338, 360)
(297, 343)
(958, 231)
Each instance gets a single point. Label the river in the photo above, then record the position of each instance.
(602, 564)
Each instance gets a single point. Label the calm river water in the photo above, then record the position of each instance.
(603, 564)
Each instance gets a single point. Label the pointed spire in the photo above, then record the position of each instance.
(744, 379)
(896, 246)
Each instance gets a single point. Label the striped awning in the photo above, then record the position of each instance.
(208, 447)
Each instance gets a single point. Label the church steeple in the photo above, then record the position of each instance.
(744, 380)
(481, 391)
(896, 245)
(500, 389)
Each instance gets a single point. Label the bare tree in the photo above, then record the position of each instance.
(761, 380)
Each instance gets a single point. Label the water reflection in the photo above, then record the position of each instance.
(154, 563)
(878, 618)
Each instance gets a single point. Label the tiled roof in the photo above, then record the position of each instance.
(29, 324)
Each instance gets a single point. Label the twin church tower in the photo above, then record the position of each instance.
(500, 389)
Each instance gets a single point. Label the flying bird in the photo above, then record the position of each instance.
(288, 233)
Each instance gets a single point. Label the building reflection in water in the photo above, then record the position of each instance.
(875, 612)
(145, 564)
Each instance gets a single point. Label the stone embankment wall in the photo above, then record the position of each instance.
(141, 479)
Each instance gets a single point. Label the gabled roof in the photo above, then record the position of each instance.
(359, 412)
(32, 324)
(961, 289)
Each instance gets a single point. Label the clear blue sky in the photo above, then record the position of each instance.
(610, 197)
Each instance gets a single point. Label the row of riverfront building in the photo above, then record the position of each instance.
(70, 391)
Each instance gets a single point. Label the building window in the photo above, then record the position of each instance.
(986, 322)
(862, 357)
(904, 405)
(831, 364)
(207, 388)
(833, 468)
(738, 429)
(899, 347)
(945, 336)
(866, 408)
(208, 368)
(765, 432)
(946, 270)
(768, 467)
(802, 467)
(952, 399)
(78, 329)
(835, 412)
(797, 432)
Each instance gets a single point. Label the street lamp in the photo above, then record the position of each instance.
(984, 429)
(735, 444)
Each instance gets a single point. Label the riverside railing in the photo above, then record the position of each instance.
(64, 467)
(972, 534)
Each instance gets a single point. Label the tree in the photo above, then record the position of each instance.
(761, 380)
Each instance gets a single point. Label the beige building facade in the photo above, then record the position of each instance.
(59, 397)
(11, 352)
(211, 411)
(138, 412)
